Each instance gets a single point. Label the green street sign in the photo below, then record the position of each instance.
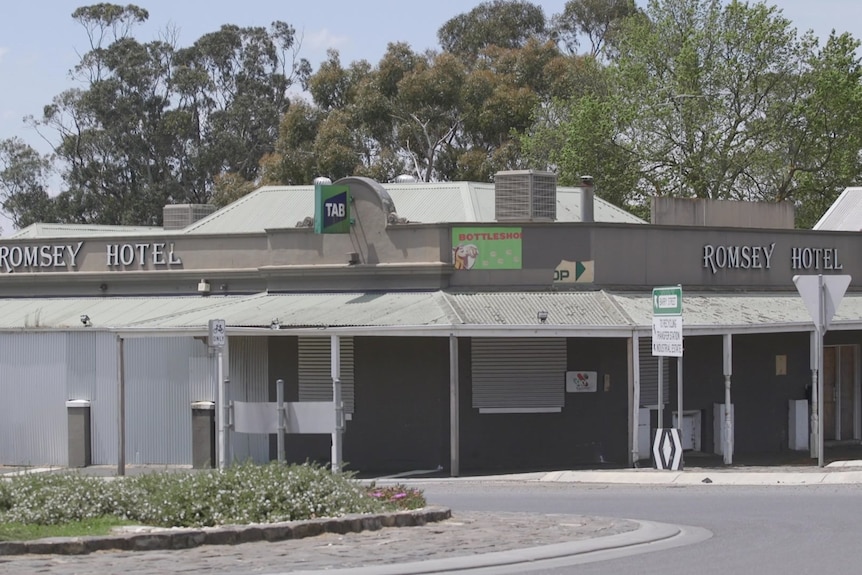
(667, 300)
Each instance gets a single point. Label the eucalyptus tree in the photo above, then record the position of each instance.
(154, 123)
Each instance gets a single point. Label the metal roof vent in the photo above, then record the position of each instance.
(322, 181)
(406, 179)
(525, 195)
(179, 216)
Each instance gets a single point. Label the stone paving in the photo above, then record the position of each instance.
(466, 533)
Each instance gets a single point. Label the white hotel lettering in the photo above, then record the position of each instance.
(30, 257)
(815, 258)
(127, 255)
(737, 257)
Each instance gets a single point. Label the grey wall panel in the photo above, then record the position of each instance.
(249, 369)
(158, 406)
(202, 372)
(91, 374)
(315, 370)
(33, 423)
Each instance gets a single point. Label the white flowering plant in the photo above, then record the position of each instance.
(243, 493)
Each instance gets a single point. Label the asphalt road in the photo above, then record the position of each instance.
(763, 530)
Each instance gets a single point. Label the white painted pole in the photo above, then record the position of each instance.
(279, 402)
(335, 348)
(820, 396)
(121, 409)
(454, 401)
(679, 394)
(813, 442)
(661, 392)
(221, 412)
(635, 362)
(728, 406)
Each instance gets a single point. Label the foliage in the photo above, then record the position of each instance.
(243, 493)
(155, 124)
(501, 23)
(693, 98)
(713, 100)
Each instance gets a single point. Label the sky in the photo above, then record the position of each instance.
(40, 43)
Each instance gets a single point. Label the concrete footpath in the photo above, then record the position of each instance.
(836, 473)
(426, 541)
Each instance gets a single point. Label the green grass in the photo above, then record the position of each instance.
(26, 532)
(39, 505)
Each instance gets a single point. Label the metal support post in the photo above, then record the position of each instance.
(335, 348)
(279, 401)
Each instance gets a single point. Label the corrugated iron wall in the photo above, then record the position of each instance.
(248, 369)
(158, 399)
(33, 425)
(92, 375)
(39, 372)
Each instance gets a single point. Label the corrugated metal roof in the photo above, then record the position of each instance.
(41, 230)
(739, 310)
(438, 202)
(587, 309)
(595, 310)
(319, 309)
(269, 207)
(104, 312)
(845, 214)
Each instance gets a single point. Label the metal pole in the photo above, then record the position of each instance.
(728, 406)
(813, 432)
(820, 331)
(121, 409)
(679, 393)
(660, 392)
(221, 412)
(454, 402)
(279, 401)
(635, 373)
(335, 348)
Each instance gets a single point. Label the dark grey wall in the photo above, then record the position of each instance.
(759, 396)
(644, 256)
(401, 419)
(591, 428)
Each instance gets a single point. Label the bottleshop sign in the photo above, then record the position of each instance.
(760, 257)
(486, 248)
(62, 257)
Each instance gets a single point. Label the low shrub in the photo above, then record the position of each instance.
(243, 493)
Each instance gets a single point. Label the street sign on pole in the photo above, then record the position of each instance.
(217, 339)
(667, 300)
(831, 290)
(667, 342)
(216, 333)
(822, 296)
(667, 321)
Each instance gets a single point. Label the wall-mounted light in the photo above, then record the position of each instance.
(85, 319)
(103, 287)
(275, 324)
(203, 287)
(542, 316)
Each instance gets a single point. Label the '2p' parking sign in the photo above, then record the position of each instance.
(331, 209)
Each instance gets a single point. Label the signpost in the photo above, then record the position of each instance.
(822, 295)
(217, 339)
(667, 342)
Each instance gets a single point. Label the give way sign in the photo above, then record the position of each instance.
(830, 288)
